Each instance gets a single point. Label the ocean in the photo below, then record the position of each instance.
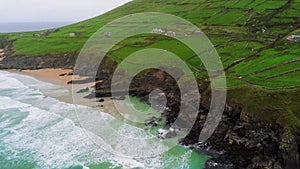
(29, 26)
(39, 131)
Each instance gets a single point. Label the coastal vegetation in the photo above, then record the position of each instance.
(250, 37)
(262, 64)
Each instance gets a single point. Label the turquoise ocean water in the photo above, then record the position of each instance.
(38, 131)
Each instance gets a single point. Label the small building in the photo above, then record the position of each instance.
(158, 30)
(107, 34)
(161, 31)
(170, 33)
(294, 38)
(72, 34)
(198, 32)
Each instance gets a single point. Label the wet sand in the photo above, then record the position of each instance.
(51, 75)
(74, 97)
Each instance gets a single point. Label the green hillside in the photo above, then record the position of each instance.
(262, 66)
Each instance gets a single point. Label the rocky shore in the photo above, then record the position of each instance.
(27, 62)
(240, 141)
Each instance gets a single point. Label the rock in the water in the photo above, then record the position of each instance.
(153, 121)
(166, 134)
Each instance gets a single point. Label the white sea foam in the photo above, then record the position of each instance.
(10, 83)
(8, 103)
(46, 131)
(55, 142)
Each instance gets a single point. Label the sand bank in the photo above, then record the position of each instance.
(56, 76)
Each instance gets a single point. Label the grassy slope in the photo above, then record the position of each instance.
(262, 69)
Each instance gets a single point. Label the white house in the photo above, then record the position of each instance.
(170, 33)
(158, 30)
(161, 31)
(198, 32)
(72, 34)
(294, 38)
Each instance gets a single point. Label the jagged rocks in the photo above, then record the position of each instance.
(245, 142)
(289, 151)
(28, 62)
(167, 133)
(153, 122)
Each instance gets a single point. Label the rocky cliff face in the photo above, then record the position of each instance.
(251, 143)
(29, 62)
(240, 141)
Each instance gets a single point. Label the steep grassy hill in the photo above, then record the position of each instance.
(262, 66)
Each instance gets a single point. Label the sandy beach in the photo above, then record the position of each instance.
(56, 76)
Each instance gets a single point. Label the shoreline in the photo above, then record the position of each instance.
(227, 145)
(107, 106)
(52, 76)
(57, 76)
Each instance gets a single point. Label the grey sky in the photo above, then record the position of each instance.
(54, 10)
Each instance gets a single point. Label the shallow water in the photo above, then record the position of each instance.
(41, 132)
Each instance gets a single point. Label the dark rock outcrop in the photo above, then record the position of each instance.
(240, 141)
(39, 62)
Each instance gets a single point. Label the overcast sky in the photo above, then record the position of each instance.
(54, 10)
